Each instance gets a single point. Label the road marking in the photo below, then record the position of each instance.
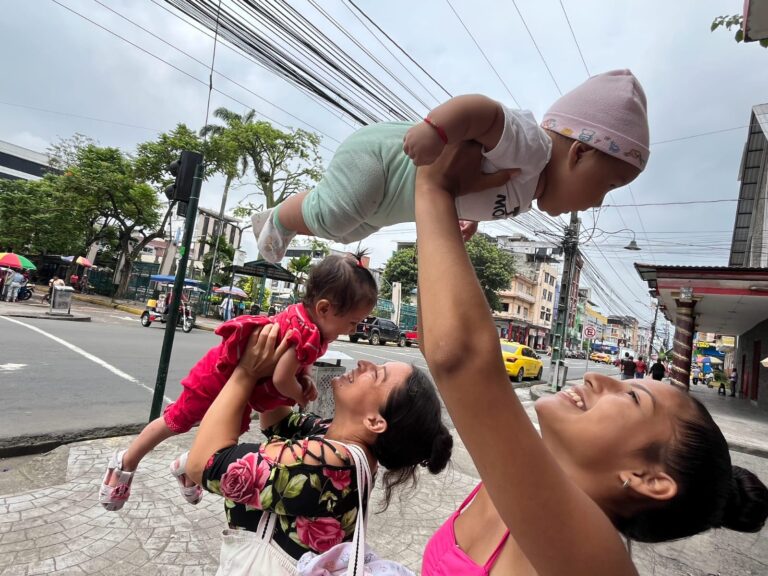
(11, 367)
(129, 318)
(87, 355)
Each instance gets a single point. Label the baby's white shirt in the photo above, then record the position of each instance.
(523, 145)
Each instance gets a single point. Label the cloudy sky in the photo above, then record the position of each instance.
(63, 74)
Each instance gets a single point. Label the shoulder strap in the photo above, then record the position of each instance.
(356, 565)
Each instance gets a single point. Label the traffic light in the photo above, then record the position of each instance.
(183, 169)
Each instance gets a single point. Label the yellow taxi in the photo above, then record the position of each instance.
(521, 361)
(601, 357)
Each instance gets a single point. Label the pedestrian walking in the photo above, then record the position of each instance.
(225, 309)
(17, 281)
(641, 368)
(732, 379)
(627, 367)
(658, 370)
(695, 374)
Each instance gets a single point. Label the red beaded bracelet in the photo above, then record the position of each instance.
(438, 129)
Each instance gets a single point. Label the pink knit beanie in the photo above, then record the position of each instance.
(609, 113)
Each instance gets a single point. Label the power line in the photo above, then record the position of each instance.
(201, 29)
(235, 82)
(681, 203)
(537, 47)
(483, 53)
(699, 135)
(367, 52)
(191, 76)
(383, 45)
(73, 115)
(573, 35)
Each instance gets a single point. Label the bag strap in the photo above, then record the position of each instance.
(356, 565)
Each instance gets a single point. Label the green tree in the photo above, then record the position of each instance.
(300, 267)
(225, 255)
(494, 267)
(35, 218)
(401, 267)
(284, 162)
(108, 178)
(729, 22)
(153, 157)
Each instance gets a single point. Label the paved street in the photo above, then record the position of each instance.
(58, 377)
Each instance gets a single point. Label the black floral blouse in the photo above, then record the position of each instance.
(316, 504)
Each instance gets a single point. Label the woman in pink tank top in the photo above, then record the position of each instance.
(444, 556)
(642, 459)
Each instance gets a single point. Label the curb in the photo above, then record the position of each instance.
(68, 317)
(129, 309)
(13, 446)
(539, 390)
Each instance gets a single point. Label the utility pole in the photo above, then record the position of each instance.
(189, 179)
(570, 254)
(653, 330)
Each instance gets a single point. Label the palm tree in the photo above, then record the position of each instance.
(300, 267)
(231, 157)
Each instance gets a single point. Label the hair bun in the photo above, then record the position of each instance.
(747, 506)
(442, 447)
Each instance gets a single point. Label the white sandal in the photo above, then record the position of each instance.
(114, 497)
(192, 494)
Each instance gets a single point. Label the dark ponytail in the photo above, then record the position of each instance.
(747, 505)
(415, 434)
(711, 493)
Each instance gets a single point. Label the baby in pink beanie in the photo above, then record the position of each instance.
(592, 140)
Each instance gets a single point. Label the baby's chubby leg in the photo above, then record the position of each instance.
(289, 216)
(275, 228)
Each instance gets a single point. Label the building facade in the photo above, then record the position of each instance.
(17, 163)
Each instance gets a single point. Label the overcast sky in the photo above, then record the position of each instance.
(59, 68)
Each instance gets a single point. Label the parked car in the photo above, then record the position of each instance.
(411, 336)
(601, 357)
(520, 361)
(378, 331)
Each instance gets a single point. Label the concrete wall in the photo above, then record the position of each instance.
(753, 378)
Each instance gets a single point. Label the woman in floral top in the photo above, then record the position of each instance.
(303, 473)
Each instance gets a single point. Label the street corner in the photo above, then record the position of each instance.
(28, 309)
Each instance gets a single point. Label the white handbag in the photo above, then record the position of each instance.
(246, 553)
(352, 558)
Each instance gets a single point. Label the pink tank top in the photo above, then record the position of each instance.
(444, 557)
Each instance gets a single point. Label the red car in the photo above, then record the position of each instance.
(411, 336)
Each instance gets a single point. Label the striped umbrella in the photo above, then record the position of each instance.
(15, 261)
(81, 260)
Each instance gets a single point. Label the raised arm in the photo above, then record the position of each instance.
(533, 495)
(220, 427)
(471, 117)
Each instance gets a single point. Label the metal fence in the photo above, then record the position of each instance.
(408, 313)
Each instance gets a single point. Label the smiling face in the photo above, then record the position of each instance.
(578, 177)
(606, 424)
(366, 388)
